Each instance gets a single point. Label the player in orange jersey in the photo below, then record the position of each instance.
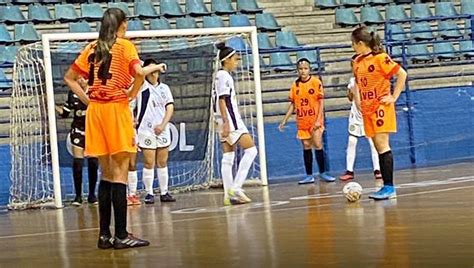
(111, 64)
(306, 98)
(373, 69)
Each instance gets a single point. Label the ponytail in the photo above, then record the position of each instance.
(369, 37)
(375, 43)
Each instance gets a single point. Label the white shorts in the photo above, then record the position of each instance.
(356, 130)
(147, 141)
(234, 135)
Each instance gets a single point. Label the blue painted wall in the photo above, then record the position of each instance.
(443, 130)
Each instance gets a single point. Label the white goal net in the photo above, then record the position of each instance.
(41, 167)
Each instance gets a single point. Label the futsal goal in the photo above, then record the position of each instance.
(40, 172)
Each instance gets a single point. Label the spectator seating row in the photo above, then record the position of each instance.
(372, 15)
(424, 31)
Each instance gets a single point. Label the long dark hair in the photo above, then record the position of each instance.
(110, 23)
(369, 37)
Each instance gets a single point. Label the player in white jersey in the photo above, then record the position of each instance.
(356, 130)
(232, 130)
(155, 107)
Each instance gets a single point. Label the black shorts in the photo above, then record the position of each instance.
(78, 138)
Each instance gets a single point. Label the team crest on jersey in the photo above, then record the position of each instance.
(387, 60)
(163, 95)
(227, 84)
(311, 91)
(371, 68)
(149, 125)
(379, 122)
(352, 128)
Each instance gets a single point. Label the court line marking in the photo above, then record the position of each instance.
(221, 216)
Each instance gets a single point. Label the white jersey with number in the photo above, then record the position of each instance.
(151, 105)
(224, 87)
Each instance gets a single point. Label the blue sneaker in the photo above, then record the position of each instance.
(326, 177)
(149, 199)
(307, 179)
(387, 192)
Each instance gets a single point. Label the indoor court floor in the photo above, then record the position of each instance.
(430, 224)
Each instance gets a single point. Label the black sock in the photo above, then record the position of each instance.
(386, 167)
(320, 159)
(105, 207)
(92, 167)
(119, 199)
(77, 165)
(308, 161)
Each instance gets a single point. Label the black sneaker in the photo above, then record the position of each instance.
(167, 198)
(77, 202)
(149, 199)
(105, 242)
(130, 242)
(92, 200)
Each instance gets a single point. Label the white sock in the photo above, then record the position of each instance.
(163, 179)
(148, 175)
(375, 155)
(351, 153)
(132, 182)
(226, 171)
(244, 166)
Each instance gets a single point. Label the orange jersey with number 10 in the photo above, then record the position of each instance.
(306, 97)
(373, 73)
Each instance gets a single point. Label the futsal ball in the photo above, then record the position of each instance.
(352, 191)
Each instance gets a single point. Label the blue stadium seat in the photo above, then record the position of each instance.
(26, 33)
(421, 31)
(281, 62)
(445, 9)
(145, 9)
(79, 27)
(371, 15)
(266, 22)
(170, 8)
(467, 27)
(149, 45)
(122, 6)
(135, 25)
(185, 23)
(247, 62)
(5, 36)
(237, 43)
(39, 14)
(378, 2)
(419, 11)
(264, 42)
(444, 51)
(65, 13)
(212, 22)
(395, 12)
(7, 54)
(466, 48)
(396, 52)
(5, 82)
(287, 39)
(91, 12)
(325, 4)
(311, 55)
(196, 8)
(467, 7)
(396, 33)
(248, 6)
(239, 20)
(179, 43)
(11, 15)
(159, 24)
(346, 17)
(419, 52)
(222, 7)
(352, 3)
(448, 29)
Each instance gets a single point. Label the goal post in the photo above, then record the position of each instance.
(48, 39)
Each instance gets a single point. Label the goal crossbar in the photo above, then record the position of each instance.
(47, 38)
